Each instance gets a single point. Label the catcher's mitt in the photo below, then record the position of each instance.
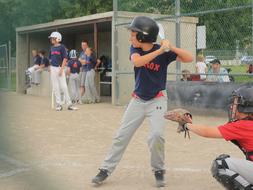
(181, 116)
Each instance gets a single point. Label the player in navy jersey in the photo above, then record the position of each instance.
(91, 94)
(30, 72)
(149, 99)
(58, 59)
(73, 71)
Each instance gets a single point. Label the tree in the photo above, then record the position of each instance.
(16, 13)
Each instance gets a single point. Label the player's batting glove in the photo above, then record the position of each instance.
(182, 117)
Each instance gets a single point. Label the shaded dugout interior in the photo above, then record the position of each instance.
(96, 30)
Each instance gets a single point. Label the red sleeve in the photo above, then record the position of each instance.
(231, 131)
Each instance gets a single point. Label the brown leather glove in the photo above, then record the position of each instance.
(182, 117)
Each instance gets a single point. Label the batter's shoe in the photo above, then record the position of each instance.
(159, 176)
(100, 177)
(58, 108)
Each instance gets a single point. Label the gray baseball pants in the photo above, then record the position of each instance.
(241, 166)
(74, 84)
(91, 93)
(134, 115)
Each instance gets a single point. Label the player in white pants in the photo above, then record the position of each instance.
(58, 59)
(43, 67)
(149, 100)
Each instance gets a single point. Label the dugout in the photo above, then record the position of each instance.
(107, 34)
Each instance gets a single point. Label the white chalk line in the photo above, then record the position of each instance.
(22, 167)
(13, 172)
(12, 161)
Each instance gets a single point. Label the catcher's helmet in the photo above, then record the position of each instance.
(72, 54)
(146, 27)
(242, 100)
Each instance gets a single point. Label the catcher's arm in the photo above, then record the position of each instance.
(205, 131)
(184, 119)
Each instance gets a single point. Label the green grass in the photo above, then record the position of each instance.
(240, 69)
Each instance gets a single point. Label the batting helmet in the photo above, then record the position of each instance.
(242, 99)
(72, 54)
(146, 28)
(56, 35)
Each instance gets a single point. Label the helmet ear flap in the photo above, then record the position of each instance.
(140, 37)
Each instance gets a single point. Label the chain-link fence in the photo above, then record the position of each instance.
(223, 28)
(211, 29)
(7, 68)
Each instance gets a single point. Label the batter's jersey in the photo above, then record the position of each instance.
(151, 78)
(57, 54)
(74, 66)
(241, 130)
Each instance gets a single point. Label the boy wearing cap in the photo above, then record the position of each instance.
(58, 58)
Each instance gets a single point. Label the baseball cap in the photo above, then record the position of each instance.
(56, 35)
(215, 61)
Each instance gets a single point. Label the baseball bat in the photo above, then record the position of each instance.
(161, 33)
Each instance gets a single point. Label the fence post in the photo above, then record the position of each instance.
(178, 33)
(115, 86)
(9, 65)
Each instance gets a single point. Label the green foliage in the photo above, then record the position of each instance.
(223, 28)
(16, 13)
(149, 6)
(76, 8)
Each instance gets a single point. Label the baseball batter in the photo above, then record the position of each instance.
(149, 97)
(58, 59)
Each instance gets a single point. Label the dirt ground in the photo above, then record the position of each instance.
(41, 149)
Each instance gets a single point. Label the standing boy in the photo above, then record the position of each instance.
(149, 96)
(58, 58)
(82, 59)
(73, 72)
(91, 94)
